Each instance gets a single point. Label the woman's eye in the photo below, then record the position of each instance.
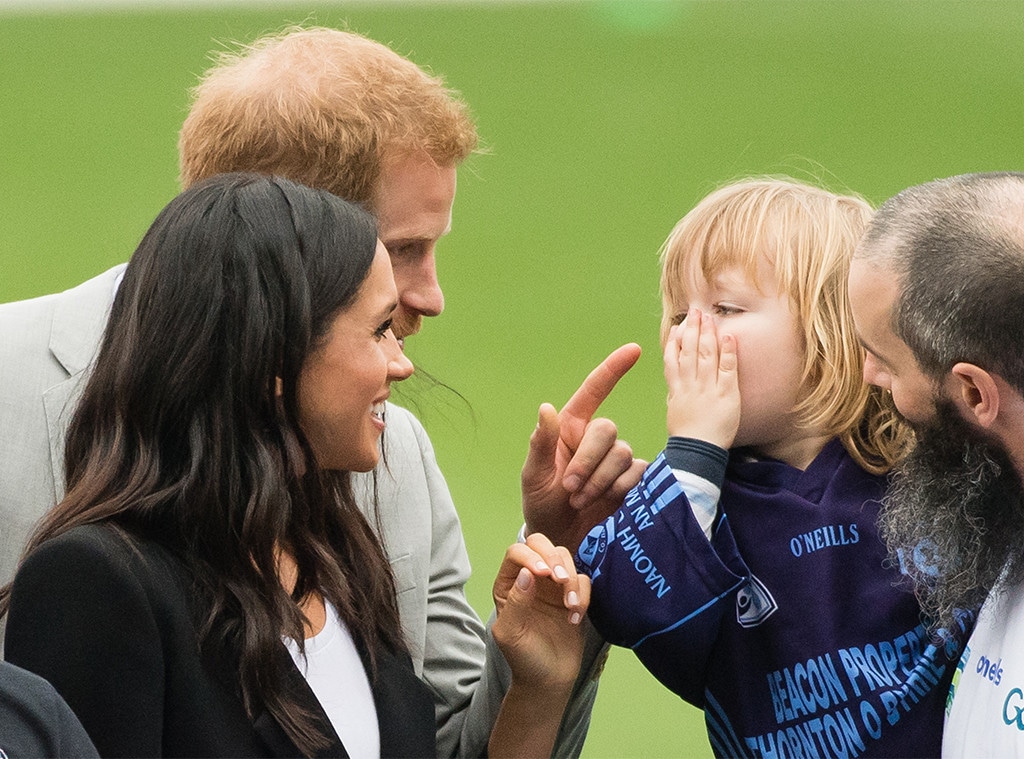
(383, 329)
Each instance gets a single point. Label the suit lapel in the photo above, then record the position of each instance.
(79, 317)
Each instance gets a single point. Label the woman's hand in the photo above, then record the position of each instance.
(540, 602)
(703, 390)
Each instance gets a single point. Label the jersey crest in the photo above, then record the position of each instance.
(754, 604)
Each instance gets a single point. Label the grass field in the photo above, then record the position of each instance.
(605, 122)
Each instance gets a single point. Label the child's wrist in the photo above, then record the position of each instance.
(722, 440)
(698, 457)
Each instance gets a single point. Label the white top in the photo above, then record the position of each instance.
(985, 713)
(336, 675)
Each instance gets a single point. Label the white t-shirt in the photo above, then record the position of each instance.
(336, 675)
(985, 710)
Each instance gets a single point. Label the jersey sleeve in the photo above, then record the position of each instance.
(660, 586)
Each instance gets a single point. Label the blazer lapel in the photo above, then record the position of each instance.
(405, 707)
(273, 735)
(79, 318)
(405, 711)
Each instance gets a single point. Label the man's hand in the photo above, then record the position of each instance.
(577, 471)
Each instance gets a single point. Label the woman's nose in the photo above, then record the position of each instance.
(399, 365)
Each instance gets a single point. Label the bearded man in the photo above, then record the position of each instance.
(937, 292)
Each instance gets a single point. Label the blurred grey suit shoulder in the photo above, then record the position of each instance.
(46, 346)
(423, 538)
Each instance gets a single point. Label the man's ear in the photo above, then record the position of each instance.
(976, 392)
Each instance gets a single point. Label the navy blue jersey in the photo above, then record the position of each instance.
(789, 627)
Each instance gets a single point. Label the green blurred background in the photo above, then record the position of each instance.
(605, 121)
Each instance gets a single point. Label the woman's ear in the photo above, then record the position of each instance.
(977, 392)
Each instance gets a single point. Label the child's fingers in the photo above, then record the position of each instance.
(524, 580)
(671, 354)
(707, 364)
(727, 374)
(689, 343)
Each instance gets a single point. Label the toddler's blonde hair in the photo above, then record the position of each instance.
(807, 235)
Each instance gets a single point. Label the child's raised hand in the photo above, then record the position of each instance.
(703, 392)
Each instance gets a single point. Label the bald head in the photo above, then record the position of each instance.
(986, 207)
(955, 248)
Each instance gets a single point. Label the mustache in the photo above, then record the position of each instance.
(405, 325)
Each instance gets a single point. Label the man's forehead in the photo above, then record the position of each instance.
(873, 279)
(414, 199)
(873, 292)
(414, 228)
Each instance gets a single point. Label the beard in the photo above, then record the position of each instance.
(954, 518)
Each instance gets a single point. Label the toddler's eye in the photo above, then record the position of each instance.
(678, 318)
(725, 309)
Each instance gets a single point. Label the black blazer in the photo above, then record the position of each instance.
(107, 621)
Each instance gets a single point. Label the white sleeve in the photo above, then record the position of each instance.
(703, 496)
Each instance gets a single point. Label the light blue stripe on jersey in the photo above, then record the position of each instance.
(723, 738)
(660, 483)
(693, 614)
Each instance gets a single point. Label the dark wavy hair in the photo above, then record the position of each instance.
(187, 432)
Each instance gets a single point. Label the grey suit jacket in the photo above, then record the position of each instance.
(46, 347)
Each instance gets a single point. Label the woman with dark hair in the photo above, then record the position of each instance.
(209, 513)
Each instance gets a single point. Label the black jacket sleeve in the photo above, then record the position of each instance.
(81, 619)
